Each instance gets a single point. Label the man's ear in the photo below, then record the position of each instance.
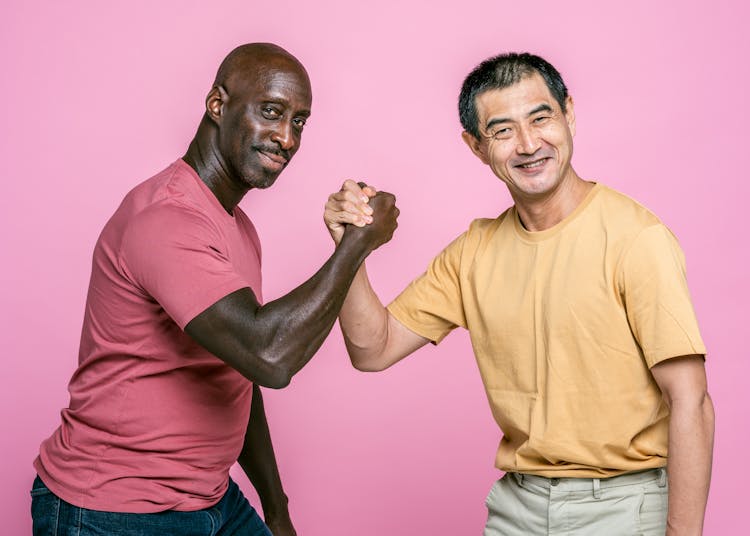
(570, 115)
(215, 101)
(477, 146)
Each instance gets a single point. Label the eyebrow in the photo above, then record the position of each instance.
(498, 120)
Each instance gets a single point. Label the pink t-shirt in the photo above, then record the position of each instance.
(155, 421)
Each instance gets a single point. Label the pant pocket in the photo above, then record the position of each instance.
(652, 515)
(491, 494)
(38, 488)
(45, 511)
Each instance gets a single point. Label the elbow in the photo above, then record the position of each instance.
(364, 359)
(271, 374)
(369, 366)
(274, 380)
(279, 383)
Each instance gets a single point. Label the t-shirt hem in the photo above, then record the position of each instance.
(654, 358)
(82, 500)
(658, 463)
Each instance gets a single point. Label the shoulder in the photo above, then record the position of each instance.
(164, 227)
(464, 249)
(622, 221)
(623, 210)
(639, 237)
(248, 228)
(482, 231)
(172, 217)
(483, 228)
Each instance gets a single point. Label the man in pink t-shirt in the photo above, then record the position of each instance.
(175, 340)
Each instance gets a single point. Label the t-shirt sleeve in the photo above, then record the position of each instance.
(178, 257)
(431, 306)
(653, 285)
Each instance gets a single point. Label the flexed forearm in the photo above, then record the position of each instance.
(292, 328)
(363, 320)
(268, 344)
(374, 339)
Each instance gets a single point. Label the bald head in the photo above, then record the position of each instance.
(253, 60)
(254, 117)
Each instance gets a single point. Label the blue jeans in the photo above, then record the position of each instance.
(231, 516)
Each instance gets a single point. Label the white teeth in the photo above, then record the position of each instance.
(532, 164)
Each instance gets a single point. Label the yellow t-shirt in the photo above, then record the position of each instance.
(565, 324)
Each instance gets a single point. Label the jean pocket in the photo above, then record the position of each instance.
(38, 488)
(45, 510)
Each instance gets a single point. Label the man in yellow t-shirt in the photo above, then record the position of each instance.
(578, 309)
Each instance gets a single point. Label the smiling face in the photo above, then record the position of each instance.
(262, 114)
(526, 138)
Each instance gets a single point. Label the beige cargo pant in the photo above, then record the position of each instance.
(634, 504)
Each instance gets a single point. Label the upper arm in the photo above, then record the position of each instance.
(681, 379)
(231, 330)
(425, 311)
(654, 289)
(178, 257)
(400, 342)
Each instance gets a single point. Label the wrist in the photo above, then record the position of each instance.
(277, 518)
(351, 245)
(276, 507)
(675, 528)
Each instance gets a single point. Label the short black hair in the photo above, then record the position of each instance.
(500, 72)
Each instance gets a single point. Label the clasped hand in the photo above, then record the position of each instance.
(360, 209)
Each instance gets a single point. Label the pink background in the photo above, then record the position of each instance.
(97, 97)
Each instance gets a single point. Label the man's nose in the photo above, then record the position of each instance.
(528, 141)
(283, 135)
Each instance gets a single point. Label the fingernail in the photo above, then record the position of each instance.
(367, 209)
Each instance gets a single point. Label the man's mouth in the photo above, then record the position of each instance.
(273, 160)
(532, 165)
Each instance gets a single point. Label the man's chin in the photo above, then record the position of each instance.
(263, 182)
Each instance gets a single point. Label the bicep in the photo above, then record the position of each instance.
(178, 257)
(657, 301)
(681, 378)
(227, 329)
(400, 342)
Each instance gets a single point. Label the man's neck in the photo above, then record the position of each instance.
(541, 213)
(203, 157)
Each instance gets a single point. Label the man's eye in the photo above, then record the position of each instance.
(541, 119)
(299, 123)
(502, 133)
(270, 112)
